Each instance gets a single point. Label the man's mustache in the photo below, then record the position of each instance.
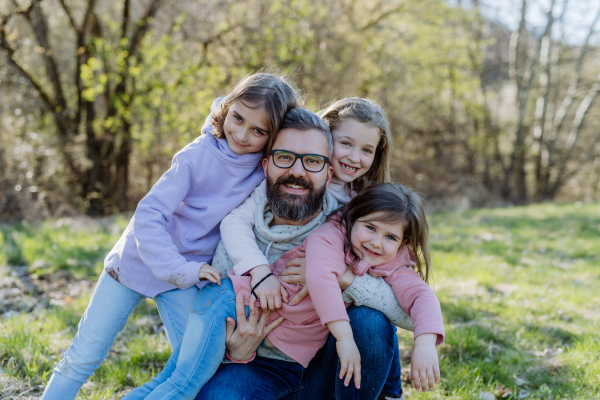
(294, 180)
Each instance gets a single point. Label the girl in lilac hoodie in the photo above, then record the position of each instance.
(165, 250)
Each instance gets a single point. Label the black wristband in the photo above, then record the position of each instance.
(261, 281)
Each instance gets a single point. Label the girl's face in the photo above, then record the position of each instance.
(354, 145)
(245, 128)
(375, 241)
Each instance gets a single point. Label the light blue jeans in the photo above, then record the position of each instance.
(202, 348)
(110, 306)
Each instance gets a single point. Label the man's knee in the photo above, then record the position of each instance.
(372, 331)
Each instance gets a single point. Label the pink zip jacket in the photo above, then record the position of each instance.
(303, 332)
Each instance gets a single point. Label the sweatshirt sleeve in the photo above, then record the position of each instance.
(150, 221)
(237, 233)
(419, 301)
(325, 263)
(375, 293)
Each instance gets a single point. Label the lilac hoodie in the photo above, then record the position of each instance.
(175, 228)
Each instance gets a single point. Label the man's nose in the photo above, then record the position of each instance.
(297, 169)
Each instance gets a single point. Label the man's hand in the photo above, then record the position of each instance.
(242, 342)
(269, 292)
(294, 273)
(210, 273)
(425, 369)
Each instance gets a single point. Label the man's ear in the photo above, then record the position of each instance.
(265, 162)
(329, 173)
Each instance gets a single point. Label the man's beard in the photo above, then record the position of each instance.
(292, 207)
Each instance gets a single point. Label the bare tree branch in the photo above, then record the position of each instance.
(143, 26)
(568, 100)
(38, 24)
(380, 18)
(69, 15)
(9, 51)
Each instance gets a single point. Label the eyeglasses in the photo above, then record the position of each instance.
(310, 162)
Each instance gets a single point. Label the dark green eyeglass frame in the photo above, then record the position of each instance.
(301, 157)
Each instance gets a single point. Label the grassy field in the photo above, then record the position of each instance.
(518, 286)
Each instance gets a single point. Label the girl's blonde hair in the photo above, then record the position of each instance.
(275, 93)
(396, 203)
(368, 112)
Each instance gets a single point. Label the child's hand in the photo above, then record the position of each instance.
(210, 273)
(294, 272)
(425, 370)
(269, 292)
(349, 360)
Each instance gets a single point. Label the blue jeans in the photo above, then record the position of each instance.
(266, 379)
(393, 384)
(110, 306)
(201, 351)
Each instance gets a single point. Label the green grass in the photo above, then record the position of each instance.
(518, 287)
(519, 291)
(58, 245)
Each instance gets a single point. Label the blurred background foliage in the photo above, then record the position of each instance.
(96, 97)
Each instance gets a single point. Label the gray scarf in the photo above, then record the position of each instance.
(277, 239)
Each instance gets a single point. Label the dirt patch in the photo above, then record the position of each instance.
(113, 274)
(177, 280)
(12, 388)
(22, 293)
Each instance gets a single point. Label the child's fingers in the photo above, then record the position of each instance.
(284, 295)
(299, 296)
(416, 379)
(277, 302)
(349, 374)
(430, 378)
(357, 376)
(263, 303)
(251, 304)
(208, 276)
(423, 377)
(217, 276)
(343, 368)
(300, 253)
(436, 373)
(271, 303)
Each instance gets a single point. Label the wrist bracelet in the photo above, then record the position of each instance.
(240, 362)
(261, 281)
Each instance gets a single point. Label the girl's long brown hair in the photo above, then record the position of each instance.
(276, 94)
(396, 203)
(370, 113)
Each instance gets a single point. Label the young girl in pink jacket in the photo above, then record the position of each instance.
(381, 232)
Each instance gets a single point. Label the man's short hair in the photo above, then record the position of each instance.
(304, 120)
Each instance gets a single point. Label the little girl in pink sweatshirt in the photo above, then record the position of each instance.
(382, 232)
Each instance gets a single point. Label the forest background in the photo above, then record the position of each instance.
(96, 97)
